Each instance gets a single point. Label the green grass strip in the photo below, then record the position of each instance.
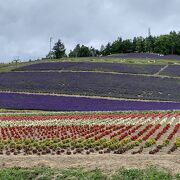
(45, 173)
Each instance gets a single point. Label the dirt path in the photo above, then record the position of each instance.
(107, 162)
(104, 72)
(162, 69)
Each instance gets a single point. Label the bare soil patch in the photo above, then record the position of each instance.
(107, 162)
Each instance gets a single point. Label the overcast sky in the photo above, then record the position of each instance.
(27, 25)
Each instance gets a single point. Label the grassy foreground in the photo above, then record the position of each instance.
(45, 173)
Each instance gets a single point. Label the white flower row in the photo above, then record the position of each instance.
(107, 121)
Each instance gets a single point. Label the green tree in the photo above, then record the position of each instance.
(127, 46)
(84, 51)
(134, 44)
(140, 47)
(149, 44)
(94, 52)
(59, 50)
(177, 44)
(117, 46)
(107, 50)
(173, 41)
(75, 52)
(163, 45)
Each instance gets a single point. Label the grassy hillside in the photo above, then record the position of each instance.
(11, 66)
(144, 79)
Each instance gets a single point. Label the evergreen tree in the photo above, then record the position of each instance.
(107, 50)
(149, 44)
(94, 52)
(134, 44)
(140, 45)
(59, 50)
(84, 51)
(117, 46)
(127, 46)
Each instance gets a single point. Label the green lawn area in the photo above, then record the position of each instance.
(119, 60)
(44, 173)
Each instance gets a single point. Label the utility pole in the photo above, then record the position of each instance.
(50, 47)
(149, 31)
(149, 40)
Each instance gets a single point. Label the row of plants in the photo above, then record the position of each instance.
(91, 66)
(86, 115)
(101, 119)
(81, 146)
(108, 122)
(87, 131)
(11, 112)
(114, 137)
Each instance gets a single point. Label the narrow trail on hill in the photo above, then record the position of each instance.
(104, 72)
(162, 69)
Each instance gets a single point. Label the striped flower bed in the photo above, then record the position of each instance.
(90, 133)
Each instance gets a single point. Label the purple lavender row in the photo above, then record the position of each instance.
(145, 55)
(92, 84)
(94, 66)
(172, 70)
(62, 103)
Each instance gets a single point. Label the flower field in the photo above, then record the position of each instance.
(93, 66)
(73, 103)
(116, 133)
(146, 55)
(93, 84)
(172, 70)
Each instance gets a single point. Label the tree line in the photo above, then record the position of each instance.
(163, 44)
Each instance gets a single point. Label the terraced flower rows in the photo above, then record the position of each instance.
(93, 84)
(92, 66)
(90, 133)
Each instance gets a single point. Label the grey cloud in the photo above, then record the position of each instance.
(27, 25)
